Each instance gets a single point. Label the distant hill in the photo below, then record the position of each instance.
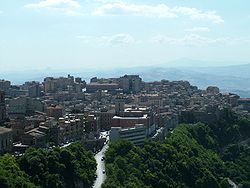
(232, 78)
(229, 79)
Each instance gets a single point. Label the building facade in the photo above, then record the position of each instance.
(25, 106)
(5, 140)
(34, 90)
(5, 85)
(2, 107)
(130, 83)
(55, 111)
(136, 134)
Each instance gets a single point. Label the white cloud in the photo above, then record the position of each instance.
(192, 39)
(68, 7)
(198, 29)
(118, 39)
(109, 1)
(197, 14)
(158, 11)
(1, 12)
(54, 3)
(239, 40)
(198, 40)
(113, 40)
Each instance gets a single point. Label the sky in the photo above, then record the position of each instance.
(99, 34)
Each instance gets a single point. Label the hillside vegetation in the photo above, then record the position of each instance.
(72, 166)
(194, 155)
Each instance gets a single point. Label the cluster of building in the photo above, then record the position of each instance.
(66, 109)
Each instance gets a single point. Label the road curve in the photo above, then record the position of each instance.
(100, 167)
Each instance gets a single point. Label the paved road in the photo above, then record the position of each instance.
(101, 164)
(100, 167)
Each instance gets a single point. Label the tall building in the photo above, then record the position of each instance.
(119, 104)
(2, 107)
(34, 90)
(69, 84)
(130, 83)
(5, 85)
(49, 85)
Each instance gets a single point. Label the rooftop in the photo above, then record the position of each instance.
(130, 118)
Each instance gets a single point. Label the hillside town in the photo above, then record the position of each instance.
(63, 110)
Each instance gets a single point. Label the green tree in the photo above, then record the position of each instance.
(10, 174)
(59, 167)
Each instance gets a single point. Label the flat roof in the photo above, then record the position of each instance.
(136, 127)
(142, 117)
(137, 109)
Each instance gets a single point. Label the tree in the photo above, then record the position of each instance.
(195, 155)
(59, 167)
(10, 174)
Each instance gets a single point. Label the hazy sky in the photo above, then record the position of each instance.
(63, 34)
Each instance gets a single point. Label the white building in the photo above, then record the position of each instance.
(135, 134)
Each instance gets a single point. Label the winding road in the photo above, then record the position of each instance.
(100, 167)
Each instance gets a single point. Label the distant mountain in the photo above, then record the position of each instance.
(232, 78)
(241, 71)
(185, 62)
(229, 79)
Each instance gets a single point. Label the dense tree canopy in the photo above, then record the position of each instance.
(72, 166)
(59, 167)
(10, 174)
(194, 155)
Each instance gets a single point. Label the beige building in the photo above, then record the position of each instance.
(71, 128)
(130, 83)
(50, 85)
(149, 100)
